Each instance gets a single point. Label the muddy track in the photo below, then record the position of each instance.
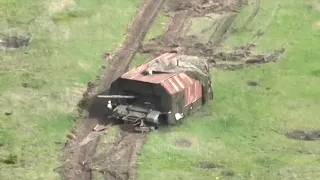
(222, 14)
(119, 160)
(182, 13)
(92, 109)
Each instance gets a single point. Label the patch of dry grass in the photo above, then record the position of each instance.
(316, 25)
(315, 4)
(55, 6)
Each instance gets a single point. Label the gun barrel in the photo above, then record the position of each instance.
(116, 96)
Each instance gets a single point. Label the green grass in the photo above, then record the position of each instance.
(198, 25)
(244, 131)
(158, 28)
(42, 83)
(139, 59)
(204, 27)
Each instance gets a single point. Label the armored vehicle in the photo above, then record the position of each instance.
(160, 92)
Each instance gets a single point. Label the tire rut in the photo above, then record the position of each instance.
(119, 161)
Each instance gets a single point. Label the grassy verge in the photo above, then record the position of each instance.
(243, 137)
(41, 84)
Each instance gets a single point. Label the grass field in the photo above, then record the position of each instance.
(41, 84)
(241, 134)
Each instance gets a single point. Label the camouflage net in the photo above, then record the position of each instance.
(194, 66)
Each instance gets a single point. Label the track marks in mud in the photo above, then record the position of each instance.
(93, 111)
(242, 57)
(175, 37)
(119, 160)
(205, 43)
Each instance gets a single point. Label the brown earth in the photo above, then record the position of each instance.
(118, 160)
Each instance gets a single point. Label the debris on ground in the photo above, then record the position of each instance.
(100, 127)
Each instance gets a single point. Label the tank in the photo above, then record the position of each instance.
(161, 92)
